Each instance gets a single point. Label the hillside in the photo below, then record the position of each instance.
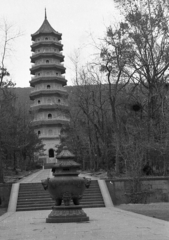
(23, 99)
(22, 95)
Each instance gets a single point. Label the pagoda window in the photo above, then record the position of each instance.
(38, 101)
(58, 100)
(57, 73)
(39, 132)
(38, 74)
(49, 116)
(51, 153)
(47, 61)
(46, 38)
(48, 86)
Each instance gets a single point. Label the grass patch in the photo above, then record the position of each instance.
(155, 210)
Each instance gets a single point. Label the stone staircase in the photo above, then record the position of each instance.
(32, 196)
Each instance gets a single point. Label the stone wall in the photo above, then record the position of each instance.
(153, 189)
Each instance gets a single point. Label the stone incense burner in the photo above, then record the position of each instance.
(67, 188)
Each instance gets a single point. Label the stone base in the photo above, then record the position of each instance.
(65, 214)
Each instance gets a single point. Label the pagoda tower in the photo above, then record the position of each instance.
(50, 98)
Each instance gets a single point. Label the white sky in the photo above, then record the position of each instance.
(75, 19)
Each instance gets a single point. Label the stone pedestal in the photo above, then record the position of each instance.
(65, 214)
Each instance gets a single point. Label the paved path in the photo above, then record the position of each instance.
(45, 173)
(105, 224)
(38, 176)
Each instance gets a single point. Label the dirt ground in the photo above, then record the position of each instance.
(155, 210)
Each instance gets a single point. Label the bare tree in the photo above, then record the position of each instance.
(143, 41)
(6, 97)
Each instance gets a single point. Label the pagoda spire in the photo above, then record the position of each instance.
(45, 14)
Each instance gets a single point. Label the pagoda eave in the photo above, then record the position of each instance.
(54, 122)
(36, 45)
(39, 34)
(46, 92)
(46, 79)
(49, 66)
(64, 108)
(40, 55)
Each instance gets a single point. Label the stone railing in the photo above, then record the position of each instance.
(47, 75)
(44, 89)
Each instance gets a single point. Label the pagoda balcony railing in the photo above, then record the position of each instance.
(52, 119)
(42, 66)
(48, 40)
(58, 44)
(49, 104)
(48, 75)
(46, 64)
(48, 51)
(48, 89)
(60, 121)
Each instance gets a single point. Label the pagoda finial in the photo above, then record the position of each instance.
(45, 14)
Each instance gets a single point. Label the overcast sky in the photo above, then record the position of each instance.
(75, 19)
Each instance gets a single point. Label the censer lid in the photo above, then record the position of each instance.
(65, 153)
(66, 160)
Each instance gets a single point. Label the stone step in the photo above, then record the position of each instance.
(47, 194)
(50, 208)
(33, 191)
(42, 189)
(32, 196)
(25, 190)
(27, 201)
(51, 203)
(24, 198)
(39, 183)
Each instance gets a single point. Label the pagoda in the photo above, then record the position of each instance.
(50, 99)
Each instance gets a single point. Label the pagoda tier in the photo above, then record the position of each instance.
(45, 79)
(42, 43)
(46, 30)
(50, 99)
(37, 107)
(43, 92)
(38, 55)
(47, 67)
(52, 122)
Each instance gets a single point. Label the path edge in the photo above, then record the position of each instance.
(105, 193)
(13, 197)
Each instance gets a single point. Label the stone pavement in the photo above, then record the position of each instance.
(37, 177)
(105, 223)
(45, 173)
